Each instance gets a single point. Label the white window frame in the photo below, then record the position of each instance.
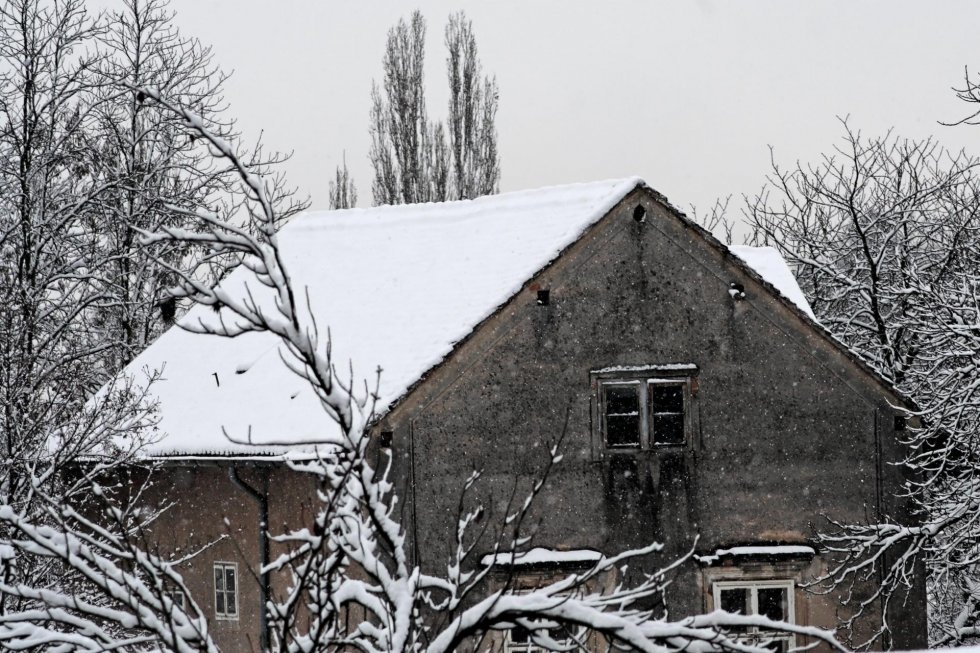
(178, 598)
(225, 615)
(643, 383)
(510, 646)
(753, 633)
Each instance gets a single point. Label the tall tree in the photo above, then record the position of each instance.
(154, 173)
(415, 159)
(51, 262)
(343, 192)
(475, 163)
(85, 164)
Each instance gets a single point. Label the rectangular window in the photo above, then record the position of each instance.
(772, 599)
(177, 597)
(520, 640)
(622, 406)
(640, 412)
(666, 401)
(226, 590)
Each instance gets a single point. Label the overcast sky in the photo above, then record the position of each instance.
(687, 95)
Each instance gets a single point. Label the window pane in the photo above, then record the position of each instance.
(520, 635)
(735, 600)
(772, 602)
(219, 583)
(623, 431)
(666, 398)
(230, 579)
(622, 404)
(231, 600)
(668, 429)
(219, 602)
(622, 399)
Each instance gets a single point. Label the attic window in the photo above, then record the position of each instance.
(621, 404)
(639, 213)
(644, 407)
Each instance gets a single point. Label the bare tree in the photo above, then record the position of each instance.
(82, 160)
(414, 159)
(49, 253)
(475, 162)
(884, 236)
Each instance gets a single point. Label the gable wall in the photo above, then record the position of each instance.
(786, 427)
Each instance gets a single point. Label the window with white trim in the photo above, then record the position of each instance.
(768, 598)
(643, 408)
(521, 640)
(226, 590)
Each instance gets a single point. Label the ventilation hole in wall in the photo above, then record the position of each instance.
(544, 297)
(639, 213)
(385, 439)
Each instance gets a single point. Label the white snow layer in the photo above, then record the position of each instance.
(771, 266)
(397, 287)
(772, 550)
(540, 556)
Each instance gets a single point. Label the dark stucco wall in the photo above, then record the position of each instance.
(784, 429)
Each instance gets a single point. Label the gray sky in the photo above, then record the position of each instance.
(687, 95)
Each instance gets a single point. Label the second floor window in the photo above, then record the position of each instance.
(226, 590)
(644, 412)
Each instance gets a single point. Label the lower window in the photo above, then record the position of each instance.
(226, 590)
(772, 599)
(520, 640)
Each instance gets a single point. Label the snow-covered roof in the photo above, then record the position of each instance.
(398, 287)
(772, 267)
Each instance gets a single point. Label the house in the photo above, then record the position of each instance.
(698, 399)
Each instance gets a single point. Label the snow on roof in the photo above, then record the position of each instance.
(779, 550)
(542, 556)
(397, 286)
(771, 266)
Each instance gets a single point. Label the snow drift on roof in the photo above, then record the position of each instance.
(543, 556)
(397, 286)
(771, 266)
(776, 550)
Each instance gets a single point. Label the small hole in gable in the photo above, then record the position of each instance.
(639, 213)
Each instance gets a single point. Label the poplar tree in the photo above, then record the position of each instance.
(414, 158)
